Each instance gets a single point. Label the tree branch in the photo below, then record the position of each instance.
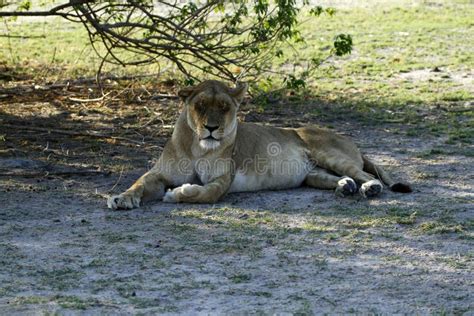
(224, 39)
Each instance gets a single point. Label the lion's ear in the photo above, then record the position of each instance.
(239, 91)
(184, 93)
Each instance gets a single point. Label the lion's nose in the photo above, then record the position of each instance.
(211, 128)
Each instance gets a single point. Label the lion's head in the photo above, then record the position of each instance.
(212, 110)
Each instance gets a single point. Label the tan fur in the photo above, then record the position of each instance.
(246, 157)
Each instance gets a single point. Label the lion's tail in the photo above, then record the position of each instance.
(377, 171)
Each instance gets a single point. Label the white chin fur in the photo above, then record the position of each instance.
(209, 144)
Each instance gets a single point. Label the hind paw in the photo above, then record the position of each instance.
(346, 186)
(371, 188)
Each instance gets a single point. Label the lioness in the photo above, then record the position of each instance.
(210, 153)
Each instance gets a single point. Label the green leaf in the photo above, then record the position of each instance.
(342, 44)
(24, 6)
(189, 82)
(316, 11)
(331, 11)
(294, 83)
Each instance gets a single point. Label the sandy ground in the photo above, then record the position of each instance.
(296, 251)
(301, 251)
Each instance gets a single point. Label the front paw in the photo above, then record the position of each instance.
(123, 201)
(182, 193)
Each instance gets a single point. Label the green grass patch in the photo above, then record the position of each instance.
(60, 279)
(437, 227)
(64, 301)
(240, 278)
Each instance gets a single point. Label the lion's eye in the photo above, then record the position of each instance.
(200, 107)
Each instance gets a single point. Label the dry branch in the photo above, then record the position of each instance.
(89, 100)
(22, 36)
(71, 133)
(231, 40)
(52, 173)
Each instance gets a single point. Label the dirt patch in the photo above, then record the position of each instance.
(463, 78)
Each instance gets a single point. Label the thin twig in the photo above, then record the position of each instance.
(156, 118)
(164, 96)
(71, 133)
(118, 180)
(22, 36)
(98, 78)
(89, 100)
(51, 173)
(10, 49)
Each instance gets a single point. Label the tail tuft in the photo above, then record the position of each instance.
(401, 187)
